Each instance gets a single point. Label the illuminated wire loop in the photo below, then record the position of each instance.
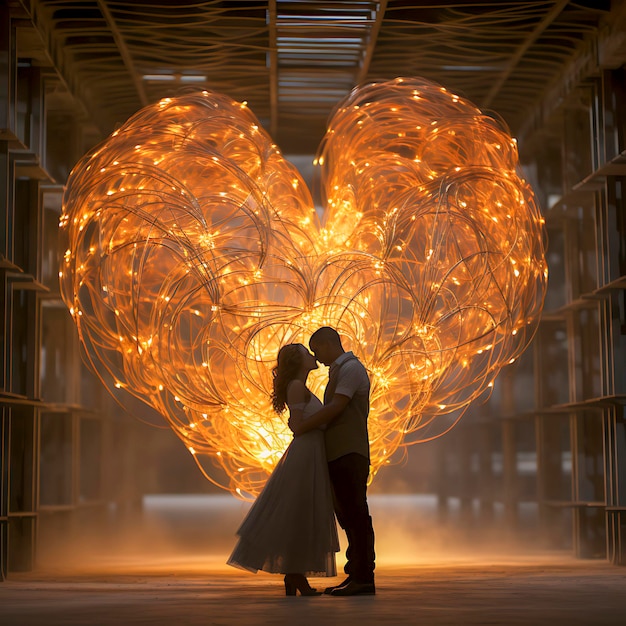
(194, 252)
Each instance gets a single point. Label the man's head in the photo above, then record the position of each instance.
(325, 344)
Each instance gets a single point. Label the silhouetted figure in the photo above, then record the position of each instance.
(291, 527)
(345, 412)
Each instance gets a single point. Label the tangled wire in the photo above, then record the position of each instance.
(193, 252)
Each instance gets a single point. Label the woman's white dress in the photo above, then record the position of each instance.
(291, 526)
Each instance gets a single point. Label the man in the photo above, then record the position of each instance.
(346, 407)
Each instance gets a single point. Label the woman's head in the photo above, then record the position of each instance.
(293, 358)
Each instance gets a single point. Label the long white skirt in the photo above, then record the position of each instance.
(291, 526)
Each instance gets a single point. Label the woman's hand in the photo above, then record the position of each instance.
(296, 423)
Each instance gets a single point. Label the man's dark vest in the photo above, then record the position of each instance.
(348, 431)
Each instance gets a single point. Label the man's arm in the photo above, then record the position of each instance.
(327, 414)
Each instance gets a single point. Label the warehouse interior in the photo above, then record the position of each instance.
(543, 459)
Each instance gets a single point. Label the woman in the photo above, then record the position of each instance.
(291, 528)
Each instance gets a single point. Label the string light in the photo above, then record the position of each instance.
(194, 252)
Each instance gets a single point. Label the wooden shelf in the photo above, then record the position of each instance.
(21, 281)
(5, 264)
(598, 403)
(567, 206)
(618, 283)
(582, 193)
(62, 508)
(56, 407)
(27, 162)
(56, 508)
(595, 181)
(32, 169)
(14, 399)
(585, 301)
(564, 504)
(15, 143)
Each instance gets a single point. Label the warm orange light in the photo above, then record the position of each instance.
(194, 253)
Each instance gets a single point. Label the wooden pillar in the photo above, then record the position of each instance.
(509, 475)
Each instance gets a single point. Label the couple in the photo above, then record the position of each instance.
(291, 528)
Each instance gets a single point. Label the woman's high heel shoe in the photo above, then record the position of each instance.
(298, 582)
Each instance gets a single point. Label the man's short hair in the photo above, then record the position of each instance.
(326, 334)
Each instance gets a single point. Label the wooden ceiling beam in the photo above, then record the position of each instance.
(606, 50)
(371, 42)
(273, 60)
(124, 52)
(521, 51)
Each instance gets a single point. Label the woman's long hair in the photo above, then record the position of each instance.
(287, 366)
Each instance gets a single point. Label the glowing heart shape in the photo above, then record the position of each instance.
(194, 252)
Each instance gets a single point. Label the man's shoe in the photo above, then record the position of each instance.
(329, 590)
(354, 588)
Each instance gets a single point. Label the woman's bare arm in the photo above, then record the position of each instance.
(327, 414)
(297, 393)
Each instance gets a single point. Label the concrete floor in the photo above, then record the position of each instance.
(171, 571)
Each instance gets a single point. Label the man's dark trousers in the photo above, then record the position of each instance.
(348, 476)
